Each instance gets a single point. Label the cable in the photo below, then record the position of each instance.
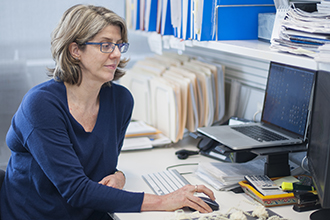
(255, 115)
(302, 164)
(179, 165)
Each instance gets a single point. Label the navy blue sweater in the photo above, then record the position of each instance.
(55, 165)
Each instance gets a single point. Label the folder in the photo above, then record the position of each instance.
(164, 107)
(181, 58)
(137, 81)
(183, 105)
(176, 17)
(206, 109)
(220, 84)
(166, 26)
(217, 80)
(238, 19)
(192, 112)
(150, 15)
(150, 67)
(186, 19)
(159, 16)
(129, 10)
(142, 12)
(204, 20)
(133, 14)
(165, 60)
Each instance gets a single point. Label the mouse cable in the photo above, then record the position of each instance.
(179, 165)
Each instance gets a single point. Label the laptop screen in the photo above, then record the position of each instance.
(287, 97)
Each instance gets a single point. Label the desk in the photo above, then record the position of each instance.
(136, 163)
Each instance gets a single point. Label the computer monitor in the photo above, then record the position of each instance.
(319, 144)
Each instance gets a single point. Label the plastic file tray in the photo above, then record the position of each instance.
(268, 201)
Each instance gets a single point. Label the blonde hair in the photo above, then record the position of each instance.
(80, 24)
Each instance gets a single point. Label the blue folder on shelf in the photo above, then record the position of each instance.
(135, 4)
(238, 19)
(203, 22)
(185, 20)
(166, 26)
(151, 15)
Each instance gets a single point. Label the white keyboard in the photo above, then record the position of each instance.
(165, 182)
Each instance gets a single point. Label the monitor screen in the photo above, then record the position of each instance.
(287, 97)
(319, 139)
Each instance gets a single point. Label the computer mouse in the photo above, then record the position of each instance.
(184, 154)
(213, 204)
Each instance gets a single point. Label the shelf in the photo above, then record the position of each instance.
(250, 48)
(258, 50)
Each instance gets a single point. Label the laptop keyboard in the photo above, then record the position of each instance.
(165, 182)
(258, 133)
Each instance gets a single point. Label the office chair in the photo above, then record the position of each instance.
(2, 176)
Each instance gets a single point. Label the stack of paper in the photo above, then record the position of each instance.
(175, 93)
(140, 128)
(225, 176)
(140, 135)
(302, 33)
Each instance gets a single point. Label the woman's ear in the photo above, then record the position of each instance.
(74, 50)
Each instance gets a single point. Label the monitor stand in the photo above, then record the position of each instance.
(278, 159)
(320, 214)
(277, 163)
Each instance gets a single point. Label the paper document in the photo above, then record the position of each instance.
(224, 176)
(140, 128)
(136, 143)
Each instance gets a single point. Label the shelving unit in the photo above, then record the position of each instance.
(258, 50)
(255, 49)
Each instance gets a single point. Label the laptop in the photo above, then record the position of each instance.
(285, 114)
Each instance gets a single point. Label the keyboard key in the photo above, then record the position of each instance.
(258, 133)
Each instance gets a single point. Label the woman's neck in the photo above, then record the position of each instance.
(83, 103)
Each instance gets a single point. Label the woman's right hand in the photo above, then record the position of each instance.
(183, 197)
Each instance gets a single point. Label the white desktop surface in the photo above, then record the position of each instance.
(136, 163)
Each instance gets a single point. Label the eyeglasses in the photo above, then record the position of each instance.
(108, 47)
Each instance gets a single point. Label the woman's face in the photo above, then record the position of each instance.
(97, 66)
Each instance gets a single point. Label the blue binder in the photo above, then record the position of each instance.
(177, 31)
(208, 26)
(238, 19)
(137, 15)
(166, 26)
(152, 16)
(187, 36)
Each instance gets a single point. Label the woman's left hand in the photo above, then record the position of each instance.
(116, 180)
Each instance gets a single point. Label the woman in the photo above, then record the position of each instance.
(67, 134)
